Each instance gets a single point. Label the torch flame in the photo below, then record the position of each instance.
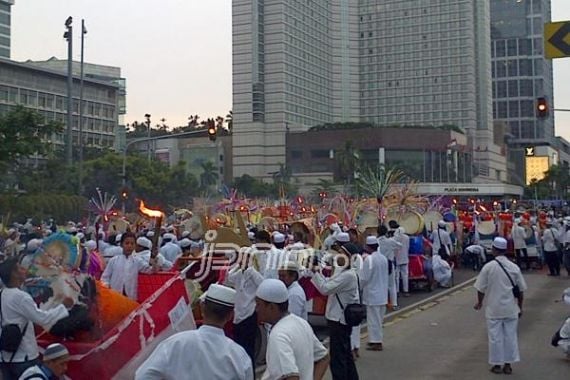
(148, 212)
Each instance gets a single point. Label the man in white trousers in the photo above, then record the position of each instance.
(402, 259)
(388, 246)
(497, 284)
(374, 282)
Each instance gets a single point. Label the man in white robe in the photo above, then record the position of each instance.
(495, 284)
(205, 353)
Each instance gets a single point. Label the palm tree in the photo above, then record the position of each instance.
(193, 121)
(348, 160)
(209, 174)
(377, 181)
(230, 120)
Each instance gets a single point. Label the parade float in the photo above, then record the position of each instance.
(108, 335)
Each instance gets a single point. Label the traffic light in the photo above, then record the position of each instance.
(212, 130)
(542, 108)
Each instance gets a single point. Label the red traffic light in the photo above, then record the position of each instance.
(542, 107)
(212, 130)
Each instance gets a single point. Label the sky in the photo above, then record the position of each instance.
(175, 54)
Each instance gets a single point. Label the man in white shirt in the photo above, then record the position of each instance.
(519, 240)
(121, 273)
(170, 250)
(343, 287)
(17, 307)
(388, 247)
(289, 275)
(113, 250)
(495, 284)
(205, 353)
(374, 282)
(549, 238)
(402, 259)
(245, 280)
(53, 365)
(293, 350)
(442, 239)
(143, 252)
(477, 256)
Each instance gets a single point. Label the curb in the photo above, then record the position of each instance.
(393, 315)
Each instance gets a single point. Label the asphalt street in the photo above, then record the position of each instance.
(446, 338)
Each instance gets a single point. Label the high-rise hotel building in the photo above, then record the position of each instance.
(301, 63)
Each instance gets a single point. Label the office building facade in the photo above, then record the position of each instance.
(521, 74)
(5, 27)
(45, 91)
(298, 64)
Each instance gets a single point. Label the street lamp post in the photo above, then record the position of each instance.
(68, 35)
(147, 116)
(83, 33)
(147, 139)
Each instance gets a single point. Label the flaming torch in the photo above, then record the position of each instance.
(158, 215)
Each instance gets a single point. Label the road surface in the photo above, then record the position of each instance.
(447, 339)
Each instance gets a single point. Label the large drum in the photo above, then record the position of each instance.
(431, 219)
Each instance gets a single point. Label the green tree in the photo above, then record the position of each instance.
(348, 161)
(23, 133)
(209, 175)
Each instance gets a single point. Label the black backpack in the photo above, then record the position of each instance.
(11, 336)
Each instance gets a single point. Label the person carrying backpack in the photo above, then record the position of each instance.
(18, 313)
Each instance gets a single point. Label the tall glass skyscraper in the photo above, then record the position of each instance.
(301, 63)
(521, 74)
(5, 27)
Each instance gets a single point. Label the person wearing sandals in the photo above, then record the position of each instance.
(502, 285)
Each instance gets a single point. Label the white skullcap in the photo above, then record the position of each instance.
(185, 234)
(250, 235)
(275, 233)
(80, 235)
(273, 291)
(170, 237)
(185, 243)
(291, 266)
(91, 245)
(33, 245)
(290, 237)
(144, 242)
(442, 223)
(11, 231)
(71, 229)
(150, 234)
(334, 227)
(343, 237)
(170, 228)
(371, 240)
(221, 295)
(118, 238)
(500, 243)
(278, 238)
(55, 351)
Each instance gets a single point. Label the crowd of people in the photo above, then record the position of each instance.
(263, 286)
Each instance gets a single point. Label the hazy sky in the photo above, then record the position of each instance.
(175, 54)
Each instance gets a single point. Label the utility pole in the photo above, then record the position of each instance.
(83, 33)
(147, 116)
(68, 35)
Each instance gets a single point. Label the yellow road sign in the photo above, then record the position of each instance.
(557, 39)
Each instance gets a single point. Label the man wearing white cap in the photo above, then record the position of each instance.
(388, 247)
(170, 250)
(245, 280)
(53, 366)
(143, 251)
(502, 285)
(289, 274)
(519, 240)
(275, 256)
(402, 260)
(293, 350)
(374, 282)
(205, 353)
(442, 244)
(341, 289)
